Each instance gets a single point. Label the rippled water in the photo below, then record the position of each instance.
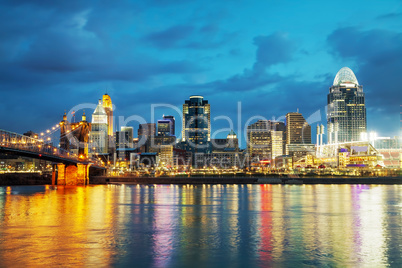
(201, 226)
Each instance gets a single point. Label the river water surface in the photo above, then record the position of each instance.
(201, 226)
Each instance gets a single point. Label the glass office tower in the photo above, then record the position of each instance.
(346, 114)
(196, 131)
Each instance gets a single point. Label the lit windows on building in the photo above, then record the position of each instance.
(346, 114)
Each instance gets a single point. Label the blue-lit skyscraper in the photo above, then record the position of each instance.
(196, 131)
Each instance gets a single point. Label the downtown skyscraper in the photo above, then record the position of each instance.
(99, 130)
(346, 114)
(298, 135)
(196, 131)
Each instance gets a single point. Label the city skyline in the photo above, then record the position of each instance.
(146, 57)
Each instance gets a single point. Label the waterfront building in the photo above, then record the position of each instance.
(124, 138)
(172, 124)
(146, 133)
(298, 131)
(196, 130)
(165, 155)
(259, 139)
(346, 114)
(351, 154)
(230, 143)
(163, 146)
(148, 160)
(99, 130)
(164, 127)
(300, 150)
(164, 141)
(265, 139)
(220, 159)
(225, 153)
(181, 158)
(298, 135)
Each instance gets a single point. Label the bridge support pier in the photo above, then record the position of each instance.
(61, 174)
(54, 175)
(82, 174)
(71, 175)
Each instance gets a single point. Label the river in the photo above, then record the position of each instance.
(201, 226)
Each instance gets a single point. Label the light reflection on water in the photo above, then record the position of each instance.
(201, 226)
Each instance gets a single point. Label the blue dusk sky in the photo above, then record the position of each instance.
(266, 58)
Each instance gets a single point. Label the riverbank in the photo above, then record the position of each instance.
(247, 180)
(7, 179)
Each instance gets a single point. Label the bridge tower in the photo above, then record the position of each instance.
(74, 137)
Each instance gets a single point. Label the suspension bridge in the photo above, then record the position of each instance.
(68, 168)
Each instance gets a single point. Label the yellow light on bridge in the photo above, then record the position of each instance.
(47, 131)
(42, 134)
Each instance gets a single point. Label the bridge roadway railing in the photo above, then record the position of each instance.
(17, 141)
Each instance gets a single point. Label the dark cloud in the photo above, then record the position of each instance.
(186, 36)
(64, 53)
(273, 49)
(390, 16)
(170, 37)
(68, 53)
(378, 55)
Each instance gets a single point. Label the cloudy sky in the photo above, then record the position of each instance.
(249, 59)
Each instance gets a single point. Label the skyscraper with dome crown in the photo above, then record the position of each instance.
(346, 111)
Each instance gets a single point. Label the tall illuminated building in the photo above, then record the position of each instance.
(298, 135)
(146, 135)
(196, 130)
(298, 131)
(108, 106)
(172, 123)
(346, 114)
(99, 130)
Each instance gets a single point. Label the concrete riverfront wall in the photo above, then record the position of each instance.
(7, 179)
